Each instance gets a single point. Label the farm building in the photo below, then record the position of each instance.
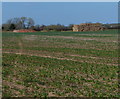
(88, 27)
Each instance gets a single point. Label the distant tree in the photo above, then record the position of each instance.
(5, 27)
(9, 21)
(58, 27)
(23, 22)
(12, 27)
(70, 27)
(30, 22)
(42, 27)
(37, 28)
(18, 23)
(32, 27)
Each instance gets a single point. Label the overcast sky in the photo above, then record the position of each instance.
(62, 12)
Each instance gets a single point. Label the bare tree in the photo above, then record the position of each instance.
(19, 23)
(23, 22)
(30, 22)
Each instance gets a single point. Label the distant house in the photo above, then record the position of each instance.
(88, 27)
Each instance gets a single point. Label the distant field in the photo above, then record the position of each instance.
(60, 64)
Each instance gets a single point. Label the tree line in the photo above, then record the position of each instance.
(28, 23)
(18, 23)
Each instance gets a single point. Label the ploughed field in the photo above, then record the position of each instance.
(60, 64)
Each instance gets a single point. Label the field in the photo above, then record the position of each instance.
(60, 64)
